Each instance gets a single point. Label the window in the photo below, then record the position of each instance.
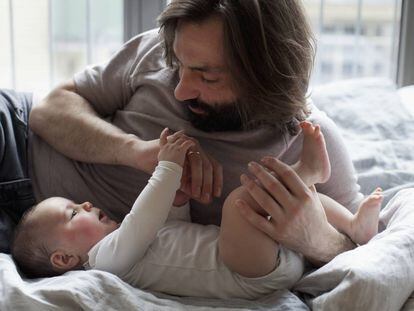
(45, 42)
(361, 33)
(327, 67)
(83, 32)
(347, 69)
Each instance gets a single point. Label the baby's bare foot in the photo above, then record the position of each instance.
(365, 223)
(313, 166)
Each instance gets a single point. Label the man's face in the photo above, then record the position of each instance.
(77, 227)
(205, 85)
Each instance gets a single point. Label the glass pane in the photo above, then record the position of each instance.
(106, 28)
(84, 31)
(378, 38)
(5, 50)
(53, 39)
(69, 31)
(353, 43)
(31, 40)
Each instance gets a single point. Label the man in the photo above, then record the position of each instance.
(234, 77)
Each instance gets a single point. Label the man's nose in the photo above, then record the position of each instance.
(186, 87)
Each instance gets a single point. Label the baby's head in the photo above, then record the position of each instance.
(55, 236)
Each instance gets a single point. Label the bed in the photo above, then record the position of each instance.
(377, 123)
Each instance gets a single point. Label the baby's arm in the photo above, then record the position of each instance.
(126, 245)
(121, 249)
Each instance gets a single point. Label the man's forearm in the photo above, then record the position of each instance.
(334, 244)
(67, 122)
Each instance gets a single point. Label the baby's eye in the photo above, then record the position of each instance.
(74, 212)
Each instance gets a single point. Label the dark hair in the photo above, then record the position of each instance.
(29, 248)
(270, 51)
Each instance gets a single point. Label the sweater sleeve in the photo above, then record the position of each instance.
(107, 86)
(121, 249)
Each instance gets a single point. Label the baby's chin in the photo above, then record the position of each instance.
(112, 226)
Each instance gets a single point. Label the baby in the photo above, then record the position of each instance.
(157, 248)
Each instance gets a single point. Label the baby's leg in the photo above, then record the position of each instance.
(364, 224)
(243, 248)
(313, 166)
(360, 227)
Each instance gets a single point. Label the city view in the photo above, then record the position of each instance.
(353, 43)
(45, 42)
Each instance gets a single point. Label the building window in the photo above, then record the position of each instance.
(361, 31)
(347, 69)
(44, 42)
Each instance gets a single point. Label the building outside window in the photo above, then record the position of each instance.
(44, 42)
(365, 34)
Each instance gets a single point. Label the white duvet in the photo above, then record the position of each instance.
(379, 132)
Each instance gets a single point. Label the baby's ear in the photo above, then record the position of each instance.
(63, 261)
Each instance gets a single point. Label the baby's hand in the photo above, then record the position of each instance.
(174, 149)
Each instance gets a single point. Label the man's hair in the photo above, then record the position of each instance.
(269, 47)
(29, 247)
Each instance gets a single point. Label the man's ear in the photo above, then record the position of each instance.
(63, 261)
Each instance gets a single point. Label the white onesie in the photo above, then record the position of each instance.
(157, 248)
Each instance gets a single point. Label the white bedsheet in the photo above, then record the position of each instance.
(98, 290)
(379, 132)
(376, 276)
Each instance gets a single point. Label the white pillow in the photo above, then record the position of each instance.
(377, 128)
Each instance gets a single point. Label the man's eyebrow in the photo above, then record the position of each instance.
(207, 69)
(204, 68)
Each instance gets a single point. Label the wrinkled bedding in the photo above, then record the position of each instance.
(379, 131)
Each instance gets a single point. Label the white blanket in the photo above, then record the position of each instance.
(376, 276)
(379, 132)
(98, 290)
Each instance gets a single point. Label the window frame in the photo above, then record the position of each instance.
(140, 15)
(405, 62)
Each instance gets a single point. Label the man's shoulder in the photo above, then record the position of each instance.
(149, 53)
(151, 35)
(145, 41)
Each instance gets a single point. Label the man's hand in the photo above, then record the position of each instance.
(202, 176)
(298, 220)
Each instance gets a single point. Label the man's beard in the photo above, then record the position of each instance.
(222, 117)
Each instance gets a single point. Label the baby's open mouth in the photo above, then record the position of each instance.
(101, 215)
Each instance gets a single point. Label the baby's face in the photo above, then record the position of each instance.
(77, 227)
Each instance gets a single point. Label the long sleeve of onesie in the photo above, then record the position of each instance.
(122, 248)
